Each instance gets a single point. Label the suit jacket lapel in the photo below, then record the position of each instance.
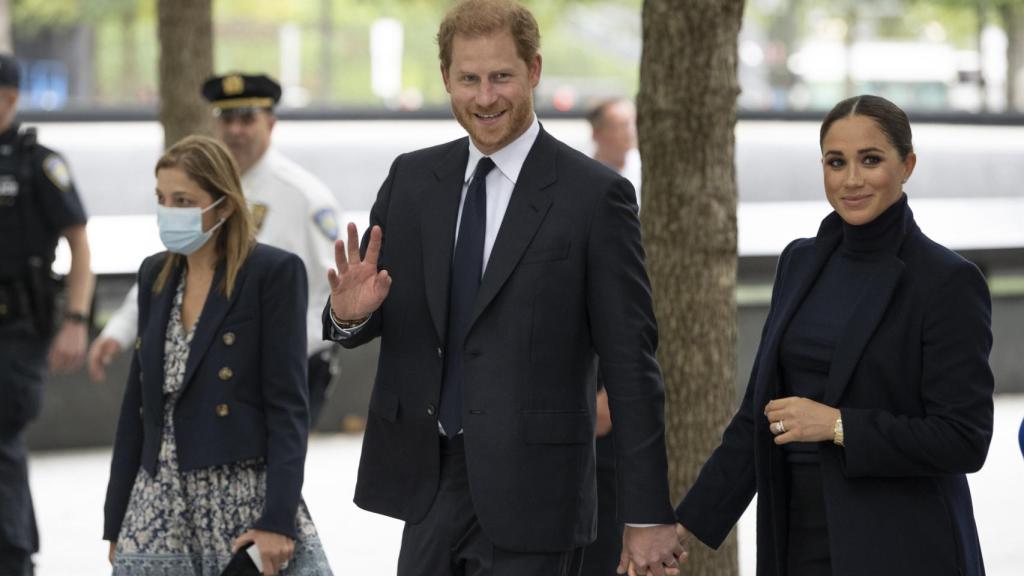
(214, 310)
(526, 210)
(155, 334)
(439, 210)
(866, 316)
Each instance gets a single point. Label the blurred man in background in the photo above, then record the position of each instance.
(38, 205)
(613, 125)
(292, 210)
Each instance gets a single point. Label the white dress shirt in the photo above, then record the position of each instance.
(508, 163)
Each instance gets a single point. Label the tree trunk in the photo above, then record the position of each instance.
(326, 51)
(686, 121)
(6, 30)
(980, 8)
(1013, 23)
(129, 54)
(185, 30)
(852, 16)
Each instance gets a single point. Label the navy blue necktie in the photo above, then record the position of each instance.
(467, 269)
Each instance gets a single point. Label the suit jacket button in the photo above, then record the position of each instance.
(430, 409)
(138, 342)
(229, 338)
(440, 352)
(225, 373)
(223, 410)
(140, 377)
(140, 412)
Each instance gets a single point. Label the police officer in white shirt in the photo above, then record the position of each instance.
(292, 210)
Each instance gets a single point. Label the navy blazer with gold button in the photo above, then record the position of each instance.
(245, 392)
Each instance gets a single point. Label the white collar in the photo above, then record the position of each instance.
(509, 159)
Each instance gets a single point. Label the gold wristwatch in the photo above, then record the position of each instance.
(837, 432)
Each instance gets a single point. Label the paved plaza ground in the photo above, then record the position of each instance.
(69, 489)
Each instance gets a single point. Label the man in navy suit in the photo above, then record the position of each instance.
(501, 271)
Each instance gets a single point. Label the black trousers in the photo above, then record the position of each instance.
(450, 542)
(18, 535)
(22, 371)
(602, 556)
(807, 553)
(319, 378)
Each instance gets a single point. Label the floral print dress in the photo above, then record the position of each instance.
(182, 523)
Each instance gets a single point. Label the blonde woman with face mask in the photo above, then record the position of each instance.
(211, 441)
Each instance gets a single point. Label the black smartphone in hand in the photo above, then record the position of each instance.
(244, 562)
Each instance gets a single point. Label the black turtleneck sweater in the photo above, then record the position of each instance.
(807, 346)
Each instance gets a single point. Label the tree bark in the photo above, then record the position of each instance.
(185, 31)
(129, 54)
(326, 51)
(6, 30)
(686, 121)
(1013, 22)
(980, 8)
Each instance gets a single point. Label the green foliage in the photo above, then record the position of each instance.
(247, 37)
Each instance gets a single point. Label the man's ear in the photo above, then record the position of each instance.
(534, 70)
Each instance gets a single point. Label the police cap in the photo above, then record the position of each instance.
(235, 91)
(9, 73)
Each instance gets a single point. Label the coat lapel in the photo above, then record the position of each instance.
(214, 311)
(526, 210)
(866, 316)
(439, 210)
(804, 266)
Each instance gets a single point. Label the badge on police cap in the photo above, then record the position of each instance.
(326, 223)
(57, 171)
(233, 85)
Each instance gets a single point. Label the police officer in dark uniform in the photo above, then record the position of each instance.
(38, 205)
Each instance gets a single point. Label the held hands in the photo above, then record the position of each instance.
(275, 549)
(654, 550)
(796, 419)
(68, 350)
(357, 288)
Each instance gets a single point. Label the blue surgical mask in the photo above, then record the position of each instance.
(181, 229)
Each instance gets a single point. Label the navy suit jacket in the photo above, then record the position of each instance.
(245, 394)
(911, 378)
(564, 288)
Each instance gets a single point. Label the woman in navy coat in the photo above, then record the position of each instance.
(211, 440)
(870, 398)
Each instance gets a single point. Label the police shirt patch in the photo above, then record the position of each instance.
(327, 223)
(57, 171)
